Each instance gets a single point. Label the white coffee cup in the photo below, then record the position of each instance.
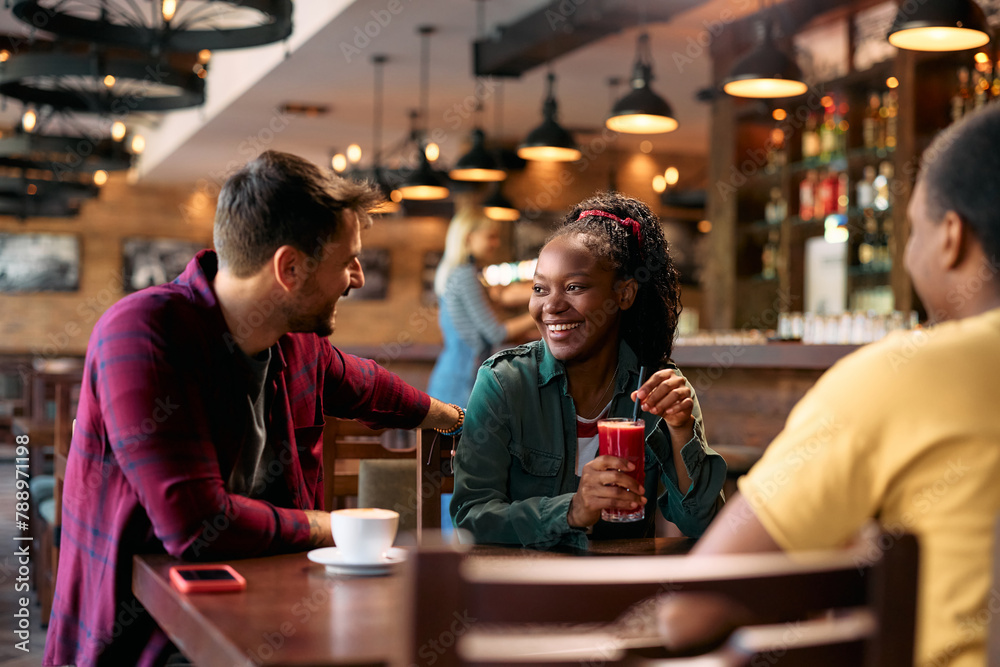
(363, 534)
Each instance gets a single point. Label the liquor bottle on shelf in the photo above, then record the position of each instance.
(776, 209)
(807, 195)
(891, 103)
(840, 129)
(826, 194)
(843, 198)
(882, 182)
(810, 138)
(980, 88)
(769, 255)
(872, 126)
(866, 188)
(962, 99)
(828, 134)
(883, 250)
(866, 250)
(776, 157)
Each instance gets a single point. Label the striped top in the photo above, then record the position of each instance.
(471, 311)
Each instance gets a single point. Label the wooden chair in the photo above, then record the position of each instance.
(820, 608)
(346, 443)
(59, 380)
(993, 631)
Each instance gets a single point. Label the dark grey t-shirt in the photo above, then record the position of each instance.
(249, 475)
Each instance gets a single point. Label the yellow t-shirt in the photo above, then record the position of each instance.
(906, 431)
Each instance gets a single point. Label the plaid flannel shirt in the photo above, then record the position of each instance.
(162, 414)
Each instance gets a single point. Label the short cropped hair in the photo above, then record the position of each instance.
(961, 173)
(281, 199)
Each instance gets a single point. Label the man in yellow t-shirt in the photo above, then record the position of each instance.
(906, 430)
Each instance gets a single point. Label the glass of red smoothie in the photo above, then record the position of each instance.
(625, 439)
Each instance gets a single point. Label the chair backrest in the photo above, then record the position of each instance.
(346, 443)
(993, 631)
(489, 608)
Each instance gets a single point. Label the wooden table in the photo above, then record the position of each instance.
(293, 613)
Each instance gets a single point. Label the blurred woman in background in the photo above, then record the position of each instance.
(469, 326)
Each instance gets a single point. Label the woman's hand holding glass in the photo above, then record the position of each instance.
(604, 485)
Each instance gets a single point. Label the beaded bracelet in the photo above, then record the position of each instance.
(457, 428)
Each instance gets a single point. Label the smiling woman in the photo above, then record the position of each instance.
(606, 299)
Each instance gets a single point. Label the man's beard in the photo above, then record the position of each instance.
(319, 322)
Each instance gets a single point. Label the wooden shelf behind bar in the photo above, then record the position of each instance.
(773, 355)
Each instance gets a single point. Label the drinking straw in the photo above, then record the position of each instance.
(642, 376)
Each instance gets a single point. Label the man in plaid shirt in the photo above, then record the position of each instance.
(200, 424)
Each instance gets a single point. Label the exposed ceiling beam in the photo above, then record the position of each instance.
(560, 26)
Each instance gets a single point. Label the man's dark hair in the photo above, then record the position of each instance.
(281, 199)
(650, 324)
(961, 173)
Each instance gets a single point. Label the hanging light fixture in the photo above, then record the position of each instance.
(766, 72)
(549, 142)
(29, 120)
(423, 184)
(478, 164)
(939, 25)
(390, 203)
(642, 111)
(62, 144)
(154, 26)
(92, 82)
(498, 207)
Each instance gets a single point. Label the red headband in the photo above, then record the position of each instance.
(627, 222)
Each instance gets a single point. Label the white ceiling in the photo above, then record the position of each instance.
(245, 87)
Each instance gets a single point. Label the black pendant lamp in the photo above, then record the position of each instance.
(939, 25)
(162, 25)
(498, 207)
(766, 72)
(549, 142)
(642, 111)
(390, 204)
(423, 184)
(478, 164)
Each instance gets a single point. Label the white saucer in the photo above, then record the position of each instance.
(333, 559)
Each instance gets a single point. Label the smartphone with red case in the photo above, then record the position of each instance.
(206, 578)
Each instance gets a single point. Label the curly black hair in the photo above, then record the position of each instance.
(650, 324)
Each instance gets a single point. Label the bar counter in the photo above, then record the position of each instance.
(746, 390)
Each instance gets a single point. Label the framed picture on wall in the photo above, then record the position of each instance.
(375, 262)
(39, 263)
(148, 262)
(431, 260)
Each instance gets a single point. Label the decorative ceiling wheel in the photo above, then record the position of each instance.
(162, 25)
(62, 154)
(95, 83)
(43, 198)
